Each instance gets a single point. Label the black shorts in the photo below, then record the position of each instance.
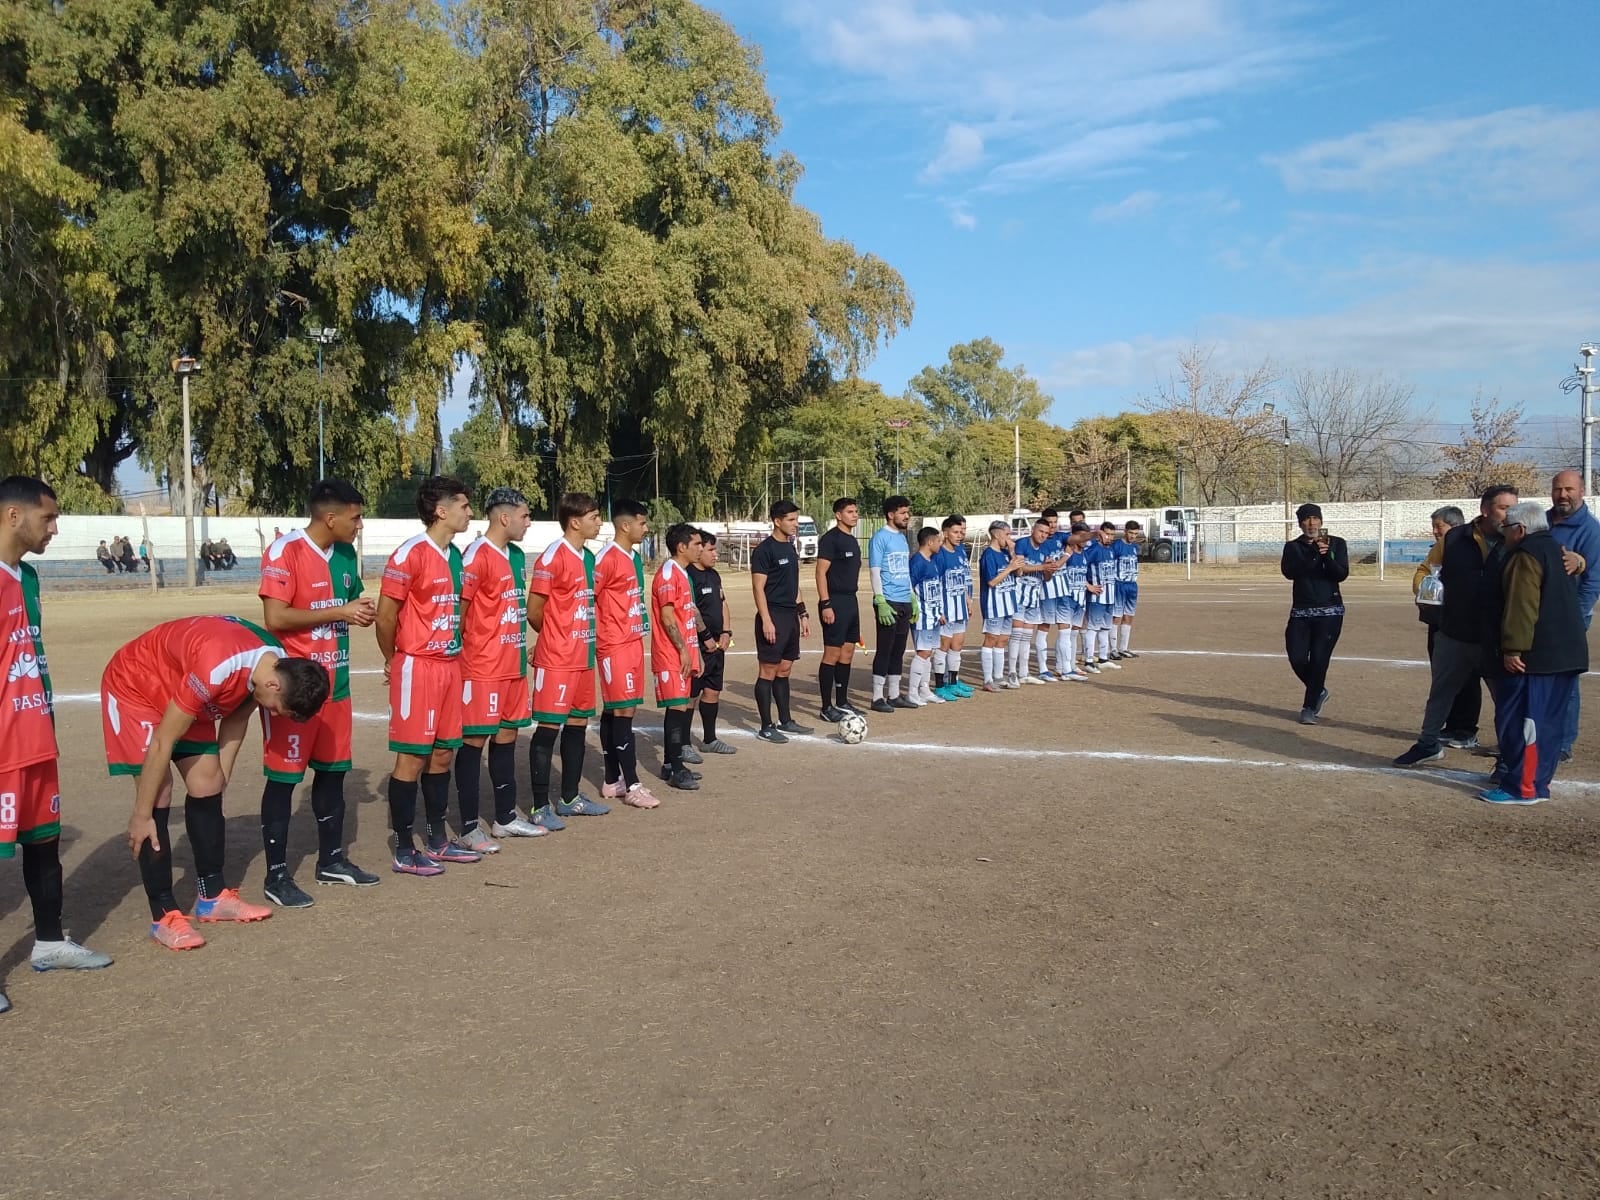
(786, 647)
(711, 677)
(846, 627)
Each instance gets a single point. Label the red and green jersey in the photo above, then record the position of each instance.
(618, 597)
(672, 587)
(201, 664)
(494, 622)
(565, 578)
(297, 572)
(27, 727)
(427, 582)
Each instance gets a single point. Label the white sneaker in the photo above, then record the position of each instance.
(930, 697)
(518, 826)
(1032, 679)
(1011, 683)
(1115, 666)
(478, 841)
(67, 955)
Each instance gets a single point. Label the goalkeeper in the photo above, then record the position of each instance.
(889, 557)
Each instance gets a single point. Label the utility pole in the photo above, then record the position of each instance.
(1127, 462)
(1016, 467)
(322, 336)
(897, 425)
(1288, 515)
(183, 367)
(1586, 386)
(656, 460)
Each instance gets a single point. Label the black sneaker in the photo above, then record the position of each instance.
(345, 871)
(285, 893)
(1130, 654)
(881, 705)
(794, 727)
(669, 771)
(684, 780)
(1322, 699)
(1422, 752)
(1308, 716)
(831, 715)
(769, 733)
(904, 702)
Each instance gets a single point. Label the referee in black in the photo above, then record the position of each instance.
(715, 638)
(838, 572)
(781, 620)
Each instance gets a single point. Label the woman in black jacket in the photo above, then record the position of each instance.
(1317, 564)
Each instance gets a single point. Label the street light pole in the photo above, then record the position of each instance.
(1288, 519)
(1586, 385)
(322, 336)
(183, 367)
(1016, 466)
(897, 425)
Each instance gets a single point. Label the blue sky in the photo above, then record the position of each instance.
(1411, 188)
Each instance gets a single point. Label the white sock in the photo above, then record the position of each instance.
(1125, 632)
(936, 663)
(877, 687)
(1011, 653)
(1064, 651)
(952, 663)
(1041, 649)
(920, 669)
(1103, 644)
(986, 660)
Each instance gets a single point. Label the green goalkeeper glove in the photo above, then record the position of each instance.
(885, 613)
(916, 609)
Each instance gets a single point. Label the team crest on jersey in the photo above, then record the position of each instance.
(25, 667)
(347, 581)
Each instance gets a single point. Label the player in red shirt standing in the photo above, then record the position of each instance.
(419, 636)
(30, 796)
(310, 596)
(561, 611)
(494, 660)
(675, 649)
(181, 695)
(620, 627)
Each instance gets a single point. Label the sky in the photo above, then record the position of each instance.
(1411, 189)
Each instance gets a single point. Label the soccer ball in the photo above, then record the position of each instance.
(853, 729)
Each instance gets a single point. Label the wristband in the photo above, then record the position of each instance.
(801, 609)
(821, 604)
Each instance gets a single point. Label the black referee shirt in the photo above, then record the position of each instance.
(708, 599)
(842, 552)
(780, 563)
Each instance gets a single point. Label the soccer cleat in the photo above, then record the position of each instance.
(581, 806)
(412, 861)
(1130, 654)
(67, 955)
(830, 714)
(1034, 679)
(1106, 662)
(898, 702)
(718, 746)
(228, 905)
(690, 755)
(1089, 667)
(962, 690)
(283, 891)
(769, 733)
(451, 852)
(345, 871)
(639, 796)
(1011, 684)
(1422, 752)
(1048, 676)
(989, 685)
(1463, 741)
(880, 705)
(684, 780)
(518, 827)
(614, 790)
(1075, 677)
(479, 842)
(545, 818)
(1322, 699)
(935, 696)
(1501, 796)
(668, 769)
(175, 933)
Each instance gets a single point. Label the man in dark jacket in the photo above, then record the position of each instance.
(1543, 650)
(1317, 564)
(1470, 559)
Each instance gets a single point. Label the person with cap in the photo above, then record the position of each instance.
(1316, 564)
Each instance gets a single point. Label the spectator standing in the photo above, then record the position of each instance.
(144, 553)
(1316, 564)
(1577, 530)
(1461, 723)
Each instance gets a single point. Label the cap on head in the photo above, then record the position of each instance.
(1306, 511)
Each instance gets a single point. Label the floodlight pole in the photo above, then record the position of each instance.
(184, 367)
(1586, 386)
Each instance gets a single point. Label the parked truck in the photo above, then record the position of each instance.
(1167, 531)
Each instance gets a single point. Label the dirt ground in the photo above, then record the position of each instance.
(1139, 937)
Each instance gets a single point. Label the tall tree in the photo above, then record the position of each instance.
(1481, 461)
(1215, 421)
(1354, 432)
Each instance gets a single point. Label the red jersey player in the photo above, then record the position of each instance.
(419, 635)
(181, 695)
(561, 610)
(675, 649)
(620, 627)
(30, 797)
(494, 661)
(310, 596)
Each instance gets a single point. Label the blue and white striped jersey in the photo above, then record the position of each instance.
(1102, 571)
(999, 599)
(1030, 588)
(957, 584)
(927, 585)
(1076, 574)
(1127, 562)
(1055, 587)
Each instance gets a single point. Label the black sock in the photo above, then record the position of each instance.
(708, 719)
(469, 777)
(436, 806)
(327, 805)
(825, 683)
(764, 701)
(276, 800)
(402, 812)
(41, 873)
(780, 693)
(155, 868)
(208, 835)
(503, 778)
(623, 749)
(608, 745)
(841, 683)
(674, 736)
(540, 751)
(572, 760)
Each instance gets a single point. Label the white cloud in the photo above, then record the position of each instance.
(1134, 204)
(1095, 152)
(962, 150)
(1156, 19)
(879, 36)
(962, 217)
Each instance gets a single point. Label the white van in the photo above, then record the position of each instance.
(806, 536)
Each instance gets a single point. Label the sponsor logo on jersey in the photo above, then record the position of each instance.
(26, 666)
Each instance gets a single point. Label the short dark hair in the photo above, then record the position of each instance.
(1076, 513)
(503, 497)
(1038, 521)
(953, 520)
(628, 508)
(333, 493)
(1080, 527)
(844, 502)
(1491, 494)
(1104, 525)
(680, 535)
(434, 491)
(1050, 512)
(573, 505)
(1133, 525)
(895, 504)
(708, 538)
(925, 535)
(25, 490)
(781, 508)
(305, 685)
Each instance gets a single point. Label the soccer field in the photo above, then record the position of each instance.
(1144, 936)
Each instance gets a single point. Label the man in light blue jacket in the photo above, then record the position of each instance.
(1575, 527)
